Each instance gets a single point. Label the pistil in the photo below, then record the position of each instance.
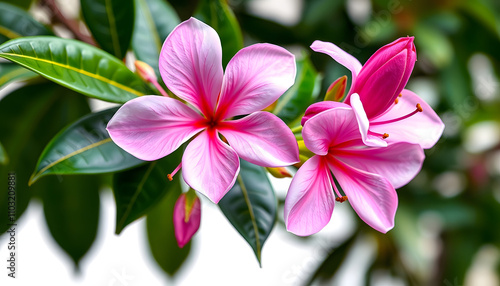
(417, 110)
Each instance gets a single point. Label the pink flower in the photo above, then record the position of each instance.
(187, 216)
(367, 175)
(151, 127)
(386, 112)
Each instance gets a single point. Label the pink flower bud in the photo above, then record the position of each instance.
(384, 76)
(145, 71)
(187, 216)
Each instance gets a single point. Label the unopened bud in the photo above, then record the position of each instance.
(145, 71)
(336, 90)
(279, 172)
(187, 217)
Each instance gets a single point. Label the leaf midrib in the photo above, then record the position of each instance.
(119, 226)
(80, 71)
(252, 216)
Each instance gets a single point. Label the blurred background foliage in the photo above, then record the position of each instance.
(447, 225)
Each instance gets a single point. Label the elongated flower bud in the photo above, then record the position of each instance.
(384, 76)
(145, 71)
(187, 216)
(336, 90)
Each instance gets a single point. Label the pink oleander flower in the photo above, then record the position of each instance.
(151, 127)
(367, 175)
(386, 112)
(187, 217)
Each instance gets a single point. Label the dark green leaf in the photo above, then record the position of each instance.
(24, 4)
(219, 16)
(29, 118)
(3, 156)
(160, 229)
(71, 208)
(111, 23)
(304, 92)
(154, 20)
(76, 65)
(333, 261)
(12, 72)
(138, 190)
(84, 147)
(251, 205)
(15, 23)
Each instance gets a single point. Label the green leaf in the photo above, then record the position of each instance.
(12, 72)
(29, 118)
(332, 262)
(219, 16)
(3, 156)
(111, 23)
(76, 65)
(154, 20)
(138, 190)
(71, 208)
(303, 93)
(24, 4)
(160, 229)
(250, 206)
(15, 23)
(84, 147)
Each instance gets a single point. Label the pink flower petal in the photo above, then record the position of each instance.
(338, 55)
(370, 195)
(263, 139)
(255, 77)
(191, 64)
(151, 127)
(329, 128)
(310, 200)
(319, 107)
(424, 128)
(364, 124)
(210, 166)
(398, 162)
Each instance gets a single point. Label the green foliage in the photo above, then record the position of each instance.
(15, 23)
(138, 190)
(30, 116)
(13, 73)
(154, 20)
(160, 230)
(250, 206)
(292, 105)
(4, 159)
(71, 208)
(111, 23)
(76, 65)
(84, 147)
(219, 16)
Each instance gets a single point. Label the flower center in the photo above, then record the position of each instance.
(385, 135)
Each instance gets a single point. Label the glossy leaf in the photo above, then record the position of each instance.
(250, 206)
(111, 23)
(219, 16)
(303, 93)
(71, 208)
(76, 65)
(84, 147)
(12, 72)
(160, 230)
(154, 20)
(29, 117)
(15, 23)
(4, 159)
(138, 190)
